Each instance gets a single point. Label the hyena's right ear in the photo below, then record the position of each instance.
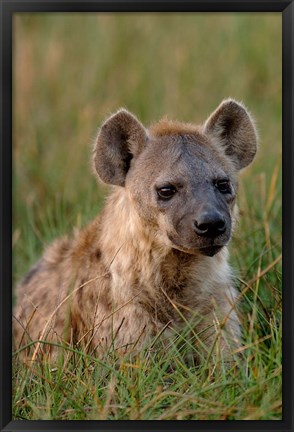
(121, 138)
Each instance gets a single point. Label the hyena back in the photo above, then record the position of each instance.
(157, 255)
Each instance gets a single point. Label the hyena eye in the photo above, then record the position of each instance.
(223, 186)
(166, 192)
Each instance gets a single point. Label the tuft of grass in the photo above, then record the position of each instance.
(154, 384)
(70, 71)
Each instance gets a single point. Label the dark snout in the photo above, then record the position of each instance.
(210, 223)
(211, 226)
(204, 224)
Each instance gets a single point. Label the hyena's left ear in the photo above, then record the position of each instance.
(120, 139)
(231, 126)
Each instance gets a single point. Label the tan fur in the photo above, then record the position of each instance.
(172, 127)
(132, 272)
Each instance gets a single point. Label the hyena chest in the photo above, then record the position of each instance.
(163, 292)
(166, 301)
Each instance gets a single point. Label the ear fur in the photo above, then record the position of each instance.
(233, 128)
(120, 138)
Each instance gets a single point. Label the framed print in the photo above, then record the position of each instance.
(146, 215)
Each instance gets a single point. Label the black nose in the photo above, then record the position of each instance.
(210, 224)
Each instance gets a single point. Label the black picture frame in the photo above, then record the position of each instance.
(7, 9)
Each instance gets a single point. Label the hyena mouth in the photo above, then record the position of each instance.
(210, 250)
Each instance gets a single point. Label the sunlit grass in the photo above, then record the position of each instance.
(71, 71)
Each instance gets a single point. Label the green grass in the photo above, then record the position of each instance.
(70, 72)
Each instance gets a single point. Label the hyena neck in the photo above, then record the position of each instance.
(122, 229)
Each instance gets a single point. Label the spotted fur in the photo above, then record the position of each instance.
(139, 268)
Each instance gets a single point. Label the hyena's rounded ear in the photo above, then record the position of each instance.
(120, 139)
(231, 126)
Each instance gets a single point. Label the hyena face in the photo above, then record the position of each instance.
(181, 179)
(186, 190)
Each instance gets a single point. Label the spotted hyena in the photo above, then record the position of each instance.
(157, 255)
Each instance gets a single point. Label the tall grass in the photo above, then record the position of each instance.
(70, 71)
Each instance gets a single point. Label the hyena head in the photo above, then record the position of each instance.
(180, 178)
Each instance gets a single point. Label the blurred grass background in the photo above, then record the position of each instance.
(72, 70)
